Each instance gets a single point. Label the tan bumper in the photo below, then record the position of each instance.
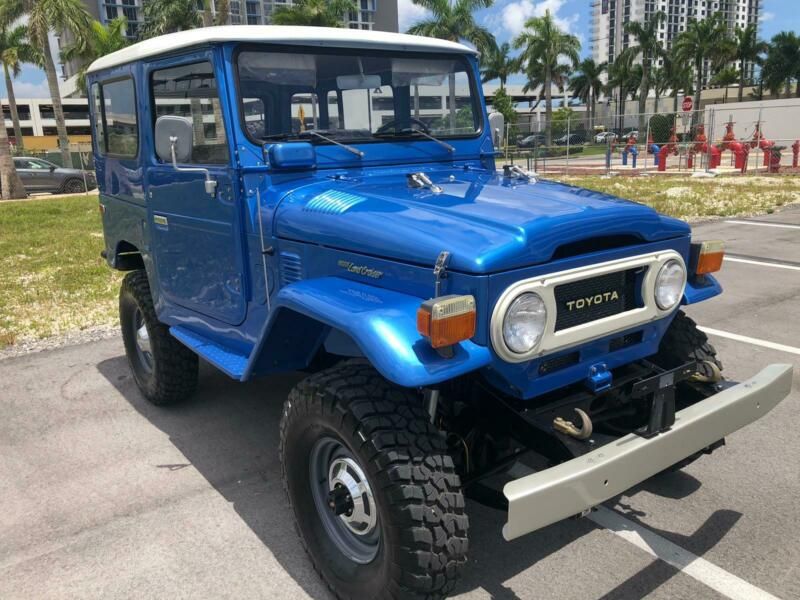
(544, 497)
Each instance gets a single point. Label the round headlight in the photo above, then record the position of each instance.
(669, 284)
(524, 323)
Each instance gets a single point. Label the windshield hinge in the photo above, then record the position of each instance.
(440, 272)
(420, 180)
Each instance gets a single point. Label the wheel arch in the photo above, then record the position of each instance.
(350, 317)
(126, 257)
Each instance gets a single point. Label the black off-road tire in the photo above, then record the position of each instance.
(172, 376)
(73, 186)
(420, 507)
(684, 342)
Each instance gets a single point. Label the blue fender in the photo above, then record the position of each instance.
(381, 322)
(700, 288)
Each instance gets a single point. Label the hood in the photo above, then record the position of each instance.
(487, 222)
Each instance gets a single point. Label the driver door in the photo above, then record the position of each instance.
(196, 236)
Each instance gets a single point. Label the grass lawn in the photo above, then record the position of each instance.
(691, 199)
(52, 279)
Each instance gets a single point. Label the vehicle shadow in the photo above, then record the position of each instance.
(229, 433)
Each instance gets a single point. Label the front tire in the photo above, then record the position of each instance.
(684, 342)
(376, 499)
(164, 369)
(73, 186)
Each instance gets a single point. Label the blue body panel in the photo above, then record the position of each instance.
(281, 262)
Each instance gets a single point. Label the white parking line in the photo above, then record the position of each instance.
(760, 263)
(764, 224)
(718, 579)
(750, 340)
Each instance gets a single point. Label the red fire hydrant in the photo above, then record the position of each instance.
(671, 147)
(795, 153)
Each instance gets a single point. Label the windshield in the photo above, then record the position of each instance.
(354, 98)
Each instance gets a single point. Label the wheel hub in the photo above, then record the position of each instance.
(344, 500)
(142, 337)
(353, 501)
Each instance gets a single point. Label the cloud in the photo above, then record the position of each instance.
(514, 15)
(408, 14)
(26, 89)
(766, 16)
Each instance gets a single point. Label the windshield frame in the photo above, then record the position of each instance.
(475, 92)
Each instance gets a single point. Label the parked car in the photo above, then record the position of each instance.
(605, 137)
(572, 139)
(633, 132)
(453, 317)
(39, 175)
(531, 141)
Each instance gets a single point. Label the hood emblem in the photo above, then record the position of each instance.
(589, 301)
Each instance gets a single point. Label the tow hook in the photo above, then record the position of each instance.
(707, 372)
(568, 427)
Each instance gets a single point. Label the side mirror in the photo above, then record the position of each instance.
(497, 125)
(174, 141)
(52, 168)
(292, 156)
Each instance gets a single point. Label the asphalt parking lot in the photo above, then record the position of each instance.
(105, 496)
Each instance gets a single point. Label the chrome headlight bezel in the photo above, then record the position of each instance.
(671, 268)
(525, 302)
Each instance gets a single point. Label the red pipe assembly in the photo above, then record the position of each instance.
(740, 151)
(764, 144)
(702, 146)
(671, 147)
(795, 153)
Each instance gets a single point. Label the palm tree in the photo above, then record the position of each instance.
(544, 43)
(659, 81)
(14, 50)
(650, 48)
(101, 40)
(169, 16)
(679, 77)
(588, 84)
(705, 40)
(10, 183)
(454, 22)
(43, 15)
(749, 49)
(497, 63)
(783, 63)
(318, 13)
(725, 77)
(620, 77)
(536, 73)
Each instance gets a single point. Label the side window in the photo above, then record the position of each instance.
(119, 118)
(97, 111)
(191, 91)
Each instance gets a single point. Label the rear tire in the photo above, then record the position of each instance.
(73, 186)
(164, 369)
(411, 542)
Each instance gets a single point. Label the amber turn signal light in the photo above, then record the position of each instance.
(447, 320)
(709, 256)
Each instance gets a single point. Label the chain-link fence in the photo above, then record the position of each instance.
(729, 139)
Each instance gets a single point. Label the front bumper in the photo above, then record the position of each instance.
(568, 489)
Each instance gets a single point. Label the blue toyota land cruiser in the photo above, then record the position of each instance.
(289, 198)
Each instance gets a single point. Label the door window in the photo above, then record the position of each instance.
(191, 91)
(116, 127)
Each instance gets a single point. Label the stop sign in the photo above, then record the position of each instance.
(687, 104)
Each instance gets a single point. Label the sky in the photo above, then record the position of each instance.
(504, 19)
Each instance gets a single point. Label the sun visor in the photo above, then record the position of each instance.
(407, 72)
(279, 68)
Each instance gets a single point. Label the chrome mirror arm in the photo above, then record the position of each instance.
(210, 184)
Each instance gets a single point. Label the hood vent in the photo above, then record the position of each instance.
(291, 268)
(332, 203)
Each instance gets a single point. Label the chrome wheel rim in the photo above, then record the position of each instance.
(142, 340)
(344, 500)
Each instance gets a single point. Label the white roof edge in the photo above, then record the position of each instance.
(277, 34)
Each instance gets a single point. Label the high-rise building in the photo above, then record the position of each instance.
(609, 17)
(372, 14)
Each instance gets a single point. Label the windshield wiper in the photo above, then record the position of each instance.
(355, 151)
(411, 131)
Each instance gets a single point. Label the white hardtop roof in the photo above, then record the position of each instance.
(277, 34)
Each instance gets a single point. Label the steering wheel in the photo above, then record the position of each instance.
(393, 123)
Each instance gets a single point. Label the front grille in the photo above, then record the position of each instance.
(625, 341)
(549, 365)
(590, 299)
